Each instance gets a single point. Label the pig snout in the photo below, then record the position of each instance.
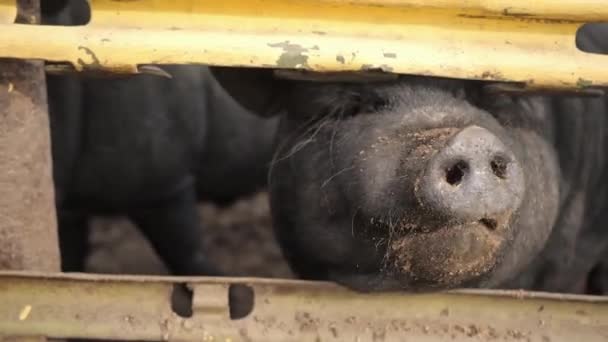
(474, 177)
(466, 192)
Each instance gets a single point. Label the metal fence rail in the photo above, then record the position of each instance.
(139, 308)
(522, 41)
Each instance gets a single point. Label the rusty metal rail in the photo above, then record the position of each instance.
(522, 41)
(139, 308)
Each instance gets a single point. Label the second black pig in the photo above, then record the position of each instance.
(150, 148)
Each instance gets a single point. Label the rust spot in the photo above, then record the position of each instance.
(378, 335)
(516, 334)
(583, 83)
(334, 331)
(473, 331)
(492, 333)
(581, 312)
(497, 76)
(459, 329)
(541, 308)
(381, 67)
(340, 59)
(390, 55)
(320, 33)
(244, 334)
(95, 61)
(307, 323)
(445, 312)
(293, 55)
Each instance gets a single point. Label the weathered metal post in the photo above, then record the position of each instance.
(28, 227)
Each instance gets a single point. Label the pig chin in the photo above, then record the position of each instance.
(461, 255)
(447, 257)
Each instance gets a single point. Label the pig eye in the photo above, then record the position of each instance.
(365, 105)
(380, 104)
(374, 104)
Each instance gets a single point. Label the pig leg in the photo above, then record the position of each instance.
(73, 240)
(597, 282)
(173, 227)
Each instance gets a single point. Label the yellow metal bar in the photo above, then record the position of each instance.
(486, 40)
(8, 11)
(138, 308)
(576, 10)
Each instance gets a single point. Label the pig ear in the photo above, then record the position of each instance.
(255, 89)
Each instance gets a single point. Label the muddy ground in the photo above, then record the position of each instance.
(238, 237)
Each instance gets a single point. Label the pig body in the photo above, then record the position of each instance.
(150, 148)
(574, 256)
(424, 183)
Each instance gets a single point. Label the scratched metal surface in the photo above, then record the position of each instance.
(520, 41)
(138, 308)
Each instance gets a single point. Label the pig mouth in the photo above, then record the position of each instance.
(433, 258)
(446, 257)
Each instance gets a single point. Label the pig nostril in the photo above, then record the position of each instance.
(455, 173)
(491, 224)
(499, 166)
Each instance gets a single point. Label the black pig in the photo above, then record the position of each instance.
(425, 184)
(149, 147)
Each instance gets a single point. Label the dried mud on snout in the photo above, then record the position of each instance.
(446, 257)
(425, 248)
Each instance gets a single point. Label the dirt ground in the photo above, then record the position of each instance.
(238, 237)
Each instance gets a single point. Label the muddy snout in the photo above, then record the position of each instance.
(473, 177)
(467, 193)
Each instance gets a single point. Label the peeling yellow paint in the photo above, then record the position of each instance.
(521, 41)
